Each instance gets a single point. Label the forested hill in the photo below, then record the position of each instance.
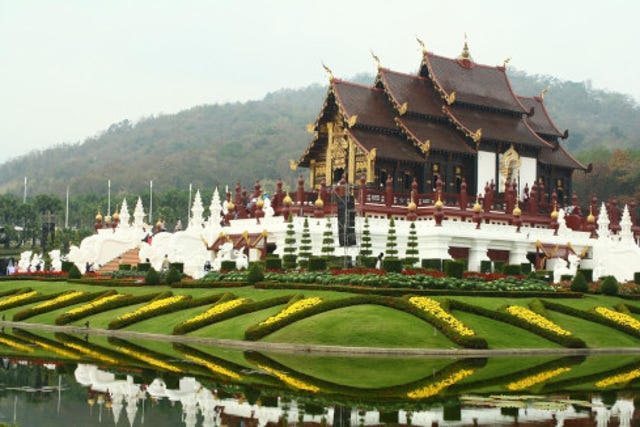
(218, 144)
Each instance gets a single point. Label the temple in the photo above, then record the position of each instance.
(455, 121)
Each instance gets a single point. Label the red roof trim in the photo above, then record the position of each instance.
(358, 143)
(583, 167)
(535, 134)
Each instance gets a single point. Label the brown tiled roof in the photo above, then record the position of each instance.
(559, 157)
(540, 122)
(441, 136)
(496, 126)
(418, 92)
(473, 84)
(371, 105)
(387, 146)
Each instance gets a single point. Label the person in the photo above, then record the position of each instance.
(379, 262)
(207, 266)
(165, 263)
(178, 226)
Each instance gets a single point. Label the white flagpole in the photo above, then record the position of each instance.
(66, 215)
(109, 197)
(189, 207)
(151, 203)
(24, 197)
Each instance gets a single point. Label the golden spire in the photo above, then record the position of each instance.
(439, 203)
(451, 98)
(477, 207)
(465, 55)
(375, 58)
(287, 200)
(328, 70)
(422, 45)
(517, 211)
(412, 205)
(506, 61)
(554, 213)
(591, 219)
(544, 91)
(99, 216)
(319, 203)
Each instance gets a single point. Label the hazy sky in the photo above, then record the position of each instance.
(68, 69)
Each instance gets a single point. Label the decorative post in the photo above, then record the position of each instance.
(517, 221)
(276, 201)
(363, 193)
(324, 195)
(533, 200)
(439, 215)
(576, 206)
(414, 192)
(259, 213)
(554, 220)
(463, 197)
(477, 216)
(411, 210)
(286, 210)
(115, 220)
(300, 194)
(230, 213)
(486, 202)
(98, 223)
(388, 192)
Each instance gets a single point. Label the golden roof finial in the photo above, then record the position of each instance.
(477, 207)
(375, 58)
(544, 91)
(465, 55)
(328, 70)
(293, 165)
(422, 45)
(506, 61)
(451, 98)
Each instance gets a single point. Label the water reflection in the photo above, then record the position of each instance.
(61, 379)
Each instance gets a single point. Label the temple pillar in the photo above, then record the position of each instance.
(435, 245)
(328, 174)
(351, 163)
(477, 254)
(312, 173)
(518, 252)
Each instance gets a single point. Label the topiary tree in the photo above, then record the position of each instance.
(255, 273)
(579, 283)
(173, 276)
(289, 256)
(411, 254)
(74, 272)
(328, 244)
(152, 277)
(304, 251)
(365, 242)
(609, 286)
(392, 251)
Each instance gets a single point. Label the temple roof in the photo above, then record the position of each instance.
(560, 157)
(473, 83)
(496, 126)
(370, 104)
(540, 121)
(441, 136)
(393, 147)
(417, 92)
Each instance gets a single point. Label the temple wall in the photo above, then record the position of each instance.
(528, 170)
(486, 168)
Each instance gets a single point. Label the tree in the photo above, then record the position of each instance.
(328, 243)
(304, 251)
(365, 244)
(411, 254)
(392, 251)
(289, 257)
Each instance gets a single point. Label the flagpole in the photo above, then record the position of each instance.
(189, 207)
(109, 198)
(151, 203)
(66, 214)
(24, 197)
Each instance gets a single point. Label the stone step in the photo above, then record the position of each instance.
(130, 257)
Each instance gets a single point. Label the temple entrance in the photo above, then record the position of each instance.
(338, 173)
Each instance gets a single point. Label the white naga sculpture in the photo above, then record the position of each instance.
(562, 270)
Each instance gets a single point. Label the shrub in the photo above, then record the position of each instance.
(579, 283)
(365, 244)
(636, 277)
(317, 264)
(525, 267)
(498, 266)
(289, 261)
(305, 248)
(255, 274)
(432, 264)
(143, 266)
(124, 267)
(485, 266)
(453, 268)
(178, 266)
(565, 277)
(512, 269)
(74, 273)
(411, 253)
(609, 286)
(391, 264)
(173, 276)
(227, 265)
(366, 261)
(152, 277)
(392, 250)
(587, 273)
(272, 263)
(66, 266)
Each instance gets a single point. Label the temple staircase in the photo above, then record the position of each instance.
(130, 257)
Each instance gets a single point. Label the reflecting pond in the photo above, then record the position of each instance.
(68, 380)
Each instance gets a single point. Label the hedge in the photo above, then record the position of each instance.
(227, 265)
(178, 266)
(272, 263)
(210, 362)
(124, 267)
(588, 273)
(590, 379)
(432, 264)
(107, 282)
(15, 291)
(453, 268)
(93, 351)
(66, 266)
(512, 270)
(35, 298)
(259, 331)
(151, 358)
(525, 267)
(498, 266)
(485, 266)
(66, 318)
(590, 316)
(289, 261)
(208, 285)
(565, 341)
(50, 345)
(579, 283)
(392, 264)
(317, 264)
(366, 261)
(34, 311)
(143, 266)
(173, 276)
(609, 286)
(182, 328)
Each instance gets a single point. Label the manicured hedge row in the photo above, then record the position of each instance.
(208, 285)
(565, 341)
(93, 351)
(592, 378)
(590, 316)
(153, 359)
(30, 300)
(259, 331)
(66, 318)
(34, 311)
(182, 328)
(107, 282)
(425, 292)
(15, 292)
(211, 363)
(48, 344)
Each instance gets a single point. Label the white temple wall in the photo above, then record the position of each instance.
(486, 169)
(528, 168)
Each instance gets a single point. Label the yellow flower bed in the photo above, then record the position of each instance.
(217, 309)
(57, 350)
(435, 309)
(97, 303)
(214, 368)
(20, 297)
(148, 359)
(536, 379)
(620, 318)
(535, 319)
(433, 389)
(15, 345)
(91, 353)
(303, 304)
(153, 306)
(59, 300)
(300, 385)
(619, 379)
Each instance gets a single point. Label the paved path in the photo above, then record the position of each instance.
(325, 349)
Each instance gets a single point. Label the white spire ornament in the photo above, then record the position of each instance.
(138, 214)
(196, 212)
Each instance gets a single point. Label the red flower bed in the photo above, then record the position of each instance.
(431, 273)
(487, 277)
(362, 271)
(39, 274)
